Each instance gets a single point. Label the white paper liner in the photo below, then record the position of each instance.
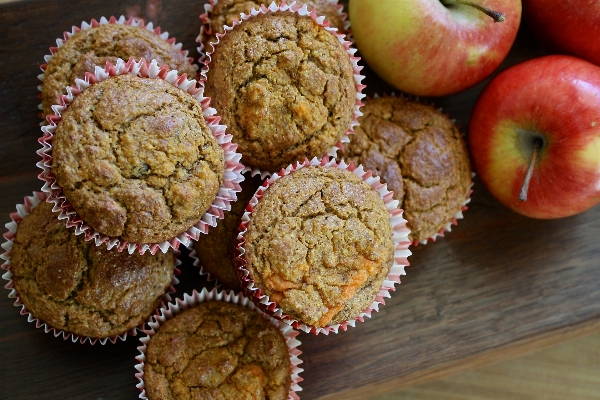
(205, 29)
(203, 272)
(232, 173)
(400, 237)
(227, 296)
(23, 210)
(103, 21)
(303, 11)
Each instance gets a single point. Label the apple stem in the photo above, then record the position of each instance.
(536, 148)
(495, 15)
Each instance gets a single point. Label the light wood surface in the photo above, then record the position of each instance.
(498, 286)
(567, 371)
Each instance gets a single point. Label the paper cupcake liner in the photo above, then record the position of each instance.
(93, 24)
(29, 203)
(205, 29)
(303, 11)
(399, 236)
(226, 194)
(228, 296)
(202, 271)
(459, 214)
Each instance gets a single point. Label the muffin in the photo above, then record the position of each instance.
(225, 12)
(420, 154)
(319, 244)
(86, 48)
(74, 286)
(284, 86)
(217, 350)
(214, 251)
(136, 159)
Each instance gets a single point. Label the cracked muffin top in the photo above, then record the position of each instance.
(225, 12)
(215, 250)
(319, 244)
(136, 159)
(420, 154)
(76, 286)
(285, 88)
(217, 350)
(95, 46)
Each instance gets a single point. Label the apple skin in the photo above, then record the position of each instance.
(556, 98)
(571, 27)
(423, 48)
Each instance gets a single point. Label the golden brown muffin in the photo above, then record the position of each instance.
(215, 250)
(285, 88)
(95, 46)
(225, 12)
(420, 154)
(136, 159)
(319, 244)
(76, 286)
(217, 350)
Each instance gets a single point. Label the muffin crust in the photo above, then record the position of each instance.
(421, 156)
(285, 88)
(227, 11)
(95, 46)
(319, 243)
(135, 158)
(215, 250)
(76, 286)
(217, 350)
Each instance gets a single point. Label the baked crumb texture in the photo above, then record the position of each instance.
(139, 162)
(224, 12)
(323, 245)
(421, 156)
(213, 253)
(75, 288)
(286, 87)
(218, 350)
(95, 43)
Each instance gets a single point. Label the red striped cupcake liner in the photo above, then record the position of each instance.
(226, 194)
(228, 296)
(303, 11)
(23, 210)
(399, 235)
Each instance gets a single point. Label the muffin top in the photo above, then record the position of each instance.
(95, 46)
(76, 286)
(215, 250)
(285, 88)
(225, 12)
(319, 243)
(217, 350)
(420, 154)
(136, 159)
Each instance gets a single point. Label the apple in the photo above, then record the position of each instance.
(551, 103)
(571, 27)
(433, 47)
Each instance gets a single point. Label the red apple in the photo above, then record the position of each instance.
(571, 27)
(425, 48)
(556, 101)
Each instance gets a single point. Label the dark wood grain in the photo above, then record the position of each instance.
(497, 286)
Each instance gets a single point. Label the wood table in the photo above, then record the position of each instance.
(497, 286)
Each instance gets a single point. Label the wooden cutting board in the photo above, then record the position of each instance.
(498, 286)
